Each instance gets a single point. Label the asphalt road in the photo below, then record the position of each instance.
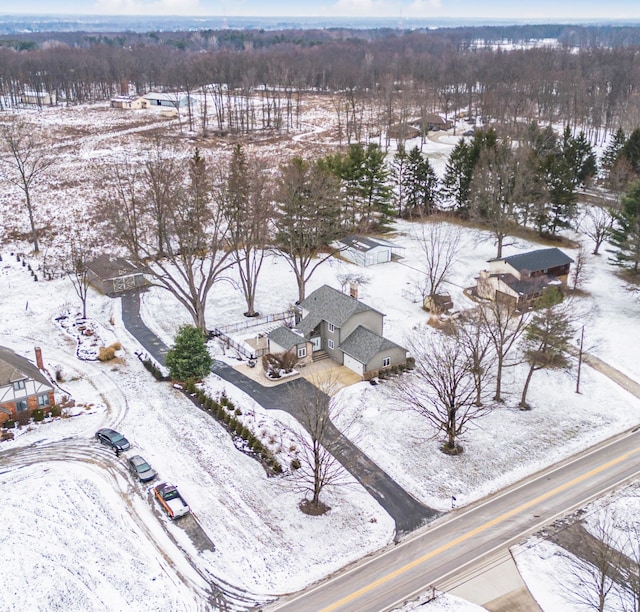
(450, 545)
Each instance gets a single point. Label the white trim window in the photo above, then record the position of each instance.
(331, 328)
(18, 385)
(43, 400)
(386, 362)
(330, 344)
(302, 352)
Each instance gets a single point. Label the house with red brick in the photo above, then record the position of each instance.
(23, 386)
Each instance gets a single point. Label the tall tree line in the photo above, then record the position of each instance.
(384, 78)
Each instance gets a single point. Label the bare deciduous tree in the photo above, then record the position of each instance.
(76, 258)
(319, 468)
(473, 336)
(189, 225)
(596, 222)
(580, 271)
(26, 161)
(439, 244)
(442, 387)
(505, 325)
(594, 573)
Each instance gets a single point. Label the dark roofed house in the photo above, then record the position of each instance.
(23, 387)
(521, 278)
(113, 275)
(348, 330)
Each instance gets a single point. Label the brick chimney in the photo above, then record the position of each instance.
(353, 290)
(39, 361)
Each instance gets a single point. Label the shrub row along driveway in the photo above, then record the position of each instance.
(407, 512)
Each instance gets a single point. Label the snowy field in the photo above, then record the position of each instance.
(76, 524)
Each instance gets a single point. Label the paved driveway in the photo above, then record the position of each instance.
(408, 512)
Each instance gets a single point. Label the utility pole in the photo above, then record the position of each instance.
(580, 360)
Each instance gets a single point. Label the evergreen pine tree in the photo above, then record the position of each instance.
(625, 234)
(613, 150)
(399, 176)
(547, 337)
(631, 151)
(189, 357)
(457, 178)
(422, 185)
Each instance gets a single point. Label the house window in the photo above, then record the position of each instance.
(19, 384)
(43, 400)
(331, 329)
(386, 362)
(330, 344)
(21, 405)
(302, 352)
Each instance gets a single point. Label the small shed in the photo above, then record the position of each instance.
(366, 251)
(129, 102)
(113, 275)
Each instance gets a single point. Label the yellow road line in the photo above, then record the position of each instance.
(476, 531)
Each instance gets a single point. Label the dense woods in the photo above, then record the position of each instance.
(588, 78)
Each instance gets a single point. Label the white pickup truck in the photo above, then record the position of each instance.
(171, 500)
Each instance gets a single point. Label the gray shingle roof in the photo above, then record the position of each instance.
(108, 267)
(285, 338)
(535, 261)
(363, 345)
(365, 243)
(330, 305)
(13, 368)
(528, 286)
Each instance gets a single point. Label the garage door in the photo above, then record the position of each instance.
(354, 365)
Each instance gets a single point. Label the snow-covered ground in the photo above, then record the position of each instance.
(62, 491)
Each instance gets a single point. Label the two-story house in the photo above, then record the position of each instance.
(520, 279)
(348, 330)
(23, 387)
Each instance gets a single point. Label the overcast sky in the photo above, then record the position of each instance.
(540, 10)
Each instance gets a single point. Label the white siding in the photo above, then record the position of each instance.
(354, 365)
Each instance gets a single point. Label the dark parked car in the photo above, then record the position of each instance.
(112, 438)
(141, 468)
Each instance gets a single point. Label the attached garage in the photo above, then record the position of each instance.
(353, 364)
(365, 351)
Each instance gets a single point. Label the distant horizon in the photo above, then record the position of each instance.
(531, 11)
(34, 22)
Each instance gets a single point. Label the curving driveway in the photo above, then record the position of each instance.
(407, 512)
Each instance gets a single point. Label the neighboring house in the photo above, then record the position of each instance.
(520, 279)
(366, 251)
(129, 102)
(170, 100)
(403, 131)
(23, 387)
(349, 331)
(112, 275)
(433, 123)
